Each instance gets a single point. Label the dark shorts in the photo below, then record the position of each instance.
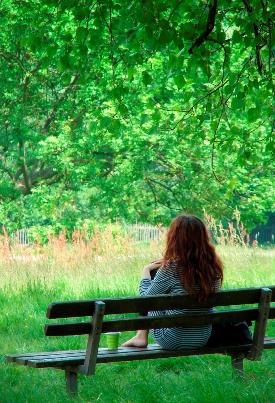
(153, 273)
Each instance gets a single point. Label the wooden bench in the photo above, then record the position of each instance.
(74, 362)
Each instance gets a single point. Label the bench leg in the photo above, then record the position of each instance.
(237, 365)
(71, 382)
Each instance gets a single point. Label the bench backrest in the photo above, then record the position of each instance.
(161, 302)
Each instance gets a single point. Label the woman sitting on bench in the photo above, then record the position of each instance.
(190, 265)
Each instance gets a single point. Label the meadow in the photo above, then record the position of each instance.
(109, 265)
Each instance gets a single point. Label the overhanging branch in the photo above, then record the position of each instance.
(59, 102)
(258, 47)
(209, 26)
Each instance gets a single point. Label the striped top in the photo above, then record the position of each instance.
(167, 281)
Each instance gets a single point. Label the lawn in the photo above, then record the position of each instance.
(34, 277)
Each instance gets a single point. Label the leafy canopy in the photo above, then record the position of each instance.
(134, 110)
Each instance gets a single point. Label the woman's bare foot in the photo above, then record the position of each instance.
(139, 340)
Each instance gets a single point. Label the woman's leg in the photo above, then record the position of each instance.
(141, 338)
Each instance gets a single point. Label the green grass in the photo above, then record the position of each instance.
(28, 286)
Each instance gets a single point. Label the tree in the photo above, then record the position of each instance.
(135, 110)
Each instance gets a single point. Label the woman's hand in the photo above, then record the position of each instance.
(154, 265)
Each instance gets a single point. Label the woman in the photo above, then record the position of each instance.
(190, 266)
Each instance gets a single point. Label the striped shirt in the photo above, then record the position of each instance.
(167, 281)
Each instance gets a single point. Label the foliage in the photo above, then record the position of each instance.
(134, 110)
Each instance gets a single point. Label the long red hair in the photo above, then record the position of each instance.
(188, 245)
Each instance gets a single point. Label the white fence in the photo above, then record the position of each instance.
(140, 232)
(145, 232)
(22, 237)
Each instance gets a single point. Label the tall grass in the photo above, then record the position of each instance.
(107, 265)
(110, 256)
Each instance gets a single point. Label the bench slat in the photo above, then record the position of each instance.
(147, 354)
(67, 355)
(66, 329)
(15, 357)
(24, 358)
(140, 304)
(76, 357)
(131, 355)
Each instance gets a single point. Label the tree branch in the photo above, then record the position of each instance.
(198, 102)
(156, 198)
(258, 47)
(209, 27)
(166, 187)
(59, 102)
(9, 57)
(24, 168)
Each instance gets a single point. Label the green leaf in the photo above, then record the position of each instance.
(131, 71)
(146, 78)
(65, 61)
(237, 37)
(156, 116)
(252, 114)
(221, 36)
(81, 34)
(238, 101)
(81, 13)
(179, 81)
(164, 37)
(232, 183)
(227, 89)
(270, 146)
(105, 122)
(51, 51)
(123, 109)
(115, 125)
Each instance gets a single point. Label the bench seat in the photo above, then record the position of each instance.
(73, 358)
